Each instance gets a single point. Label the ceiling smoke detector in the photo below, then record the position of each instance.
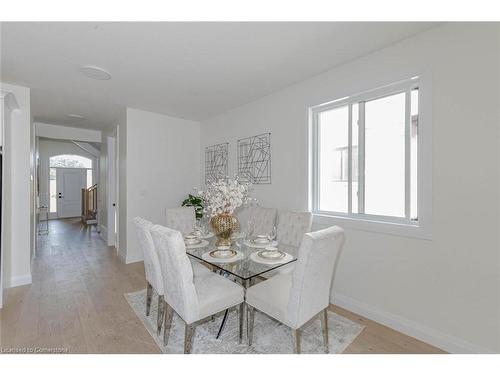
(75, 116)
(95, 72)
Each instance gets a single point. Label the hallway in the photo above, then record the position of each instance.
(76, 300)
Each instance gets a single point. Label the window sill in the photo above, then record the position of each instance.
(396, 229)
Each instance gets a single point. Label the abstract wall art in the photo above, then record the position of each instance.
(216, 158)
(254, 158)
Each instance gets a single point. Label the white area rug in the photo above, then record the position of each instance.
(269, 335)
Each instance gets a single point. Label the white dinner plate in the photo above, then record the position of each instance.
(270, 262)
(271, 254)
(202, 243)
(192, 241)
(260, 245)
(210, 259)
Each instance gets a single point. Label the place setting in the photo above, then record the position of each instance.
(202, 233)
(223, 254)
(261, 241)
(193, 241)
(271, 255)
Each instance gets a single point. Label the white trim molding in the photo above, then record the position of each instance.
(404, 226)
(103, 233)
(444, 341)
(18, 281)
(9, 99)
(135, 259)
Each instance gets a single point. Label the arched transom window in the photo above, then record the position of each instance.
(70, 161)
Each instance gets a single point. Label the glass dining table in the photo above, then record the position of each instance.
(246, 267)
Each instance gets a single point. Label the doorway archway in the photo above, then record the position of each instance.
(68, 174)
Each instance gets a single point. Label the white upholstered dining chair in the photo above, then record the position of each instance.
(194, 299)
(297, 298)
(290, 229)
(182, 219)
(152, 267)
(260, 220)
(292, 226)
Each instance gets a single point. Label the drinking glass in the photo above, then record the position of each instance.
(249, 228)
(271, 235)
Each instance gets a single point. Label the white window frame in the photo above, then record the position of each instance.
(378, 223)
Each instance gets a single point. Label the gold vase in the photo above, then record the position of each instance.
(223, 226)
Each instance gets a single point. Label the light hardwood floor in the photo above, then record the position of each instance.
(76, 302)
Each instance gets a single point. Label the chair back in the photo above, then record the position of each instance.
(179, 288)
(313, 274)
(182, 219)
(292, 226)
(260, 220)
(149, 253)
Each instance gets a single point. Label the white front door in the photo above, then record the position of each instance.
(70, 182)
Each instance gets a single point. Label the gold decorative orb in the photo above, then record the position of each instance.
(223, 226)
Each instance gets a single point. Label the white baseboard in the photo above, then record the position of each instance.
(449, 343)
(135, 259)
(127, 259)
(122, 256)
(103, 232)
(18, 281)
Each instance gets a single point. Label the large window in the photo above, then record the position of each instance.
(365, 151)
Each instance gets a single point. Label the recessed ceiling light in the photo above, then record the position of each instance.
(95, 72)
(75, 116)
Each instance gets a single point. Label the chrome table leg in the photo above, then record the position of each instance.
(223, 324)
(241, 319)
(250, 320)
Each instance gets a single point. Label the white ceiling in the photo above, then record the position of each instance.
(187, 70)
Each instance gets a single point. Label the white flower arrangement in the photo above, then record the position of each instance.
(225, 195)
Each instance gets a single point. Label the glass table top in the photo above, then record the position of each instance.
(244, 268)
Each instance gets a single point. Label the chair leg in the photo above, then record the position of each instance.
(161, 312)
(188, 337)
(168, 313)
(296, 341)
(324, 324)
(149, 296)
(250, 319)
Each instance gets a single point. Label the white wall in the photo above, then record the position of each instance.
(445, 290)
(48, 148)
(17, 185)
(162, 167)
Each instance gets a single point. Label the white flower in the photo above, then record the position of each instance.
(225, 195)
